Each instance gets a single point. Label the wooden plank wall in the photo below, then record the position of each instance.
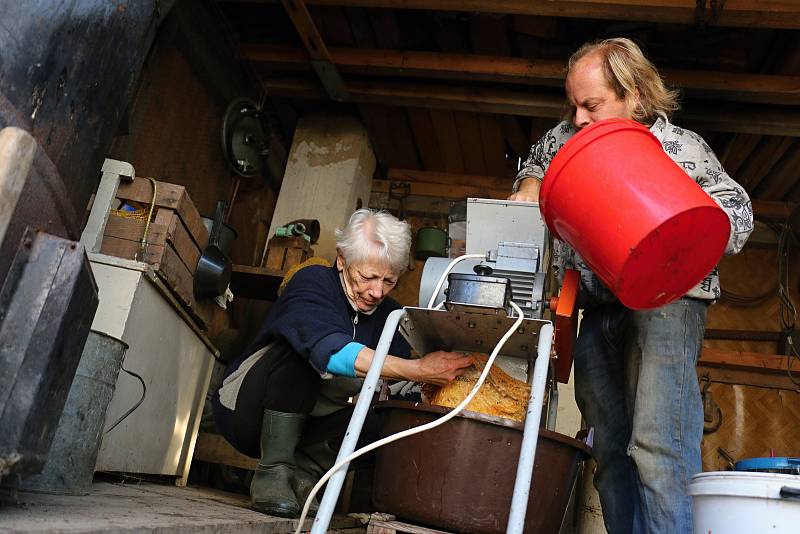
(173, 135)
(751, 272)
(174, 132)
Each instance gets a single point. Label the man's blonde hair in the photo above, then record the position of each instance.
(626, 70)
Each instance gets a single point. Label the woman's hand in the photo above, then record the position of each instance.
(440, 367)
(437, 368)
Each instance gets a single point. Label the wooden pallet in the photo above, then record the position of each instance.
(386, 524)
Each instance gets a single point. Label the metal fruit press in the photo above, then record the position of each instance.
(466, 305)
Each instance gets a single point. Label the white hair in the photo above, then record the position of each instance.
(375, 236)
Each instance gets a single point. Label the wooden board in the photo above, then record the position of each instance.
(132, 229)
(456, 192)
(215, 449)
(494, 145)
(762, 160)
(469, 137)
(166, 228)
(782, 178)
(444, 125)
(425, 136)
(179, 238)
(391, 135)
(131, 250)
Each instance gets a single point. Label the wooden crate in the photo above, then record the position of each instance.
(285, 252)
(176, 238)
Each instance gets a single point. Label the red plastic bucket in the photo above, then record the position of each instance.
(645, 228)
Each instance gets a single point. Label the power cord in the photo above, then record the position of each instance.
(141, 400)
(787, 310)
(427, 426)
(447, 271)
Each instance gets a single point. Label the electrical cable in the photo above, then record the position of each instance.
(447, 271)
(787, 309)
(422, 428)
(752, 301)
(143, 241)
(141, 400)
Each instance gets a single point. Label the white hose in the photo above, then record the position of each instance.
(446, 271)
(422, 428)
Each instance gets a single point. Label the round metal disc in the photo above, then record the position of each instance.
(245, 140)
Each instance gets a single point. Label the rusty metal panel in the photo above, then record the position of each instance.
(47, 304)
(459, 477)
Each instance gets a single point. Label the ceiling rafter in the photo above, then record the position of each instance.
(776, 14)
(759, 120)
(746, 87)
(319, 57)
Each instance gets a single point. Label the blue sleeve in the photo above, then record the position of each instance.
(311, 316)
(343, 363)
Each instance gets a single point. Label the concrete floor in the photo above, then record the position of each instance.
(147, 508)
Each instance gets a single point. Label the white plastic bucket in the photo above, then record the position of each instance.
(734, 502)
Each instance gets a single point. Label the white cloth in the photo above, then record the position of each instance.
(229, 392)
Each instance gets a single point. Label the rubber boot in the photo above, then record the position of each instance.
(313, 461)
(271, 489)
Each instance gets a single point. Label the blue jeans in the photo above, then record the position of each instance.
(636, 384)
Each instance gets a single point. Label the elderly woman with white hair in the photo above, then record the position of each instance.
(284, 400)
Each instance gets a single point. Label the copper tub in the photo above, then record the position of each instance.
(460, 476)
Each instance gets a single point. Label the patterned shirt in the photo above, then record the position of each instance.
(688, 150)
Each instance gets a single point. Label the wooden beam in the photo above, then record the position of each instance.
(761, 208)
(213, 448)
(738, 153)
(415, 176)
(783, 177)
(778, 14)
(742, 335)
(736, 86)
(751, 361)
(417, 64)
(456, 192)
(762, 161)
(391, 135)
(320, 57)
(469, 136)
(425, 138)
(444, 126)
(514, 135)
(494, 145)
(769, 209)
(722, 118)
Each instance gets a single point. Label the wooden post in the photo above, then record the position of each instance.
(113, 171)
(17, 149)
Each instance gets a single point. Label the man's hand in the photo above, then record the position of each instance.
(528, 190)
(440, 367)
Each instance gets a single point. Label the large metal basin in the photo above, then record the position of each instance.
(460, 476)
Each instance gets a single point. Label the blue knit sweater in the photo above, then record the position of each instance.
(314, 316)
